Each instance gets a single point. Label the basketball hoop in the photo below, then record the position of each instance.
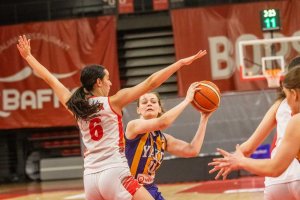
(273, 77)
(258, 55)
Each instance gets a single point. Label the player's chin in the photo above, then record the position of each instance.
(150, 114)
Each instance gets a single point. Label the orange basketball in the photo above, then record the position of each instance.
(208, 98)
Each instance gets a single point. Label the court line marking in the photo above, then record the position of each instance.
(244, 190)
(77, 196)
(47, 169)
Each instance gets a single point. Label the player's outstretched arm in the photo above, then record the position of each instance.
(128, 95)
(140, 126)
(265, 127)
(265, 167)
(60, 90)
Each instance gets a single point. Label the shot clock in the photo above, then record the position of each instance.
(270, 19)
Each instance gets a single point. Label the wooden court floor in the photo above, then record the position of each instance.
(249, 188)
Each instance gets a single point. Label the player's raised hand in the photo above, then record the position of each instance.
(190, 59)
(191, 91)
(24, 46)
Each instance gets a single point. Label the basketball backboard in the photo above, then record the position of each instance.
(260, 59)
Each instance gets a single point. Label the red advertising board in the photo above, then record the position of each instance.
(64, 47)
(160, 4)
(126, 6)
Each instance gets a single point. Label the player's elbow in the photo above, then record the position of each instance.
(162, 125)
(276, 172)
(191, 153)
(280, 165)
(151, 83)
(164, 122)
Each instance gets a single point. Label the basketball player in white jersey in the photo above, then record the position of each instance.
(279, 183)
(106, 172)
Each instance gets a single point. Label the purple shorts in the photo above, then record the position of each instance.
(153, 190)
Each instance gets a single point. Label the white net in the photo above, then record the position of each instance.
(273, 82)
(273, 78)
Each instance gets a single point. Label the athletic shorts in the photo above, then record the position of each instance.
(283, 191)
(111, 184)
(153, 190)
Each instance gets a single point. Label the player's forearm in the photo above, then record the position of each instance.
(157, 78)
(59, 89)
(193, 148)
(247, 149)
(249, 146)
(170, 116)
(199, 136)
(259, 135)
(262, 131)
(39, 69)
(261, 167)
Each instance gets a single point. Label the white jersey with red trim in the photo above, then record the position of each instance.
(292, 173)
(103, 139)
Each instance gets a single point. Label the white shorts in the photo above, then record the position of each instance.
(111, 184)
(286, 191)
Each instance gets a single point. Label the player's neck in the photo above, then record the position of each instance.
(98, 93)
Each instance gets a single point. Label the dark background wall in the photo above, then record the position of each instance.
(20, 11)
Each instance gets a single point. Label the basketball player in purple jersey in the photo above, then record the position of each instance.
(106, 172)
(145, 144)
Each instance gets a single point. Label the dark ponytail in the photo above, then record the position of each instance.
(78, 104)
